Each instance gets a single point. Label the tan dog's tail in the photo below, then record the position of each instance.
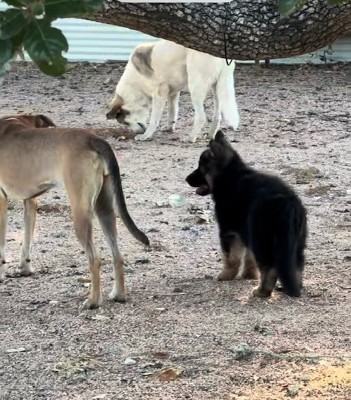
(104, 149)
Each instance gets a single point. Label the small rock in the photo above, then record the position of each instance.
(99, 317)
(177, 200)
(293, 391)
(142, 260)
(84, 279)
(129, 361)
(99, 396)
(17, 350)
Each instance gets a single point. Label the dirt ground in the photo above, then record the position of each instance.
(182, 334)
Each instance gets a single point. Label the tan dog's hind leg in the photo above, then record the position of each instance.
(84, 230)
(83, 188)
(3, 225)
(232, 261)
(107, 218)
(30, 213)
(250, 270)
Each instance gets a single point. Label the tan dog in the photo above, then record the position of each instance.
(33, 160)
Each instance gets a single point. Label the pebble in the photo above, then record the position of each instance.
(129, 361)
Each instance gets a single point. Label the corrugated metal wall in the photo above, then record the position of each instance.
(96, 42)
(92, 41)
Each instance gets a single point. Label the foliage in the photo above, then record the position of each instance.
(27, 25)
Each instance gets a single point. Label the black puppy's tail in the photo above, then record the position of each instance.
(290, 243)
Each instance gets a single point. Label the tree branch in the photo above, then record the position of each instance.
(254, 28)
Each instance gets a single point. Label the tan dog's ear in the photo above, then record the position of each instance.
(42, 121)
(115, 107)
(141, 60)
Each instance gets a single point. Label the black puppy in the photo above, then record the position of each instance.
(258, 215)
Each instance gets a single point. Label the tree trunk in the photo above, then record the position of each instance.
(241, 29)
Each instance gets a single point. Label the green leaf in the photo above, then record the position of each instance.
(17, 40)
(15, 3)
(6, 51)
(12, 21)
(68, 8)
(54, 67)
(19, 3)
(44, 44)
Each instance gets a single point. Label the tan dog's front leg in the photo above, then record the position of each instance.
(30, 213)
(3, 224)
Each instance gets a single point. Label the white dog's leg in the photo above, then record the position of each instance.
(198, 96)
(216, 119)
(173, 108)
(3, 224)
(229, 107)
(158, 105)
(30, 212)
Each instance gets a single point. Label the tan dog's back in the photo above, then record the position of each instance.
(35, 158)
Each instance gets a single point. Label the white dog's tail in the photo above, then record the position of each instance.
(226, 94)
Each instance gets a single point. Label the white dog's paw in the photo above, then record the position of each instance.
(26, 268)
(234, 124)
(143, 138)
(192, 137)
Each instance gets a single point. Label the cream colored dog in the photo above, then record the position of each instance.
(35, 158)
(157, 72)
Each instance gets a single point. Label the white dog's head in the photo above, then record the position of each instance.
(132, 110)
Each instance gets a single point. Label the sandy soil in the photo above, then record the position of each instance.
(182, 334)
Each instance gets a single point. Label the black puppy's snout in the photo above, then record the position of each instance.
(195, 179)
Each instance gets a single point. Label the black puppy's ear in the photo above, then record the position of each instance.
(221, 149)
(216, 149)
(219, 136)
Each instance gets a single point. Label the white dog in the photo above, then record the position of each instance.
(157, 72)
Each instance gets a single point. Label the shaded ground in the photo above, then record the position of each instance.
(218, 341)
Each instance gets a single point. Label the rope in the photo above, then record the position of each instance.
(225, 35)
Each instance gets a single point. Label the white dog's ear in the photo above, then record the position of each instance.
(115, 107)
(141, 59)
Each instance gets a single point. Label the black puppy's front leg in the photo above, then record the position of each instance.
(232, 254)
